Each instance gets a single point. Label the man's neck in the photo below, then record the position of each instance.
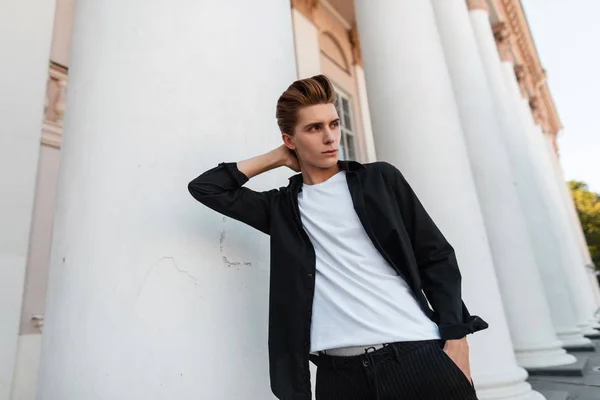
(313, 175)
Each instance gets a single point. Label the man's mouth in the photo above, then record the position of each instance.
(329, 152)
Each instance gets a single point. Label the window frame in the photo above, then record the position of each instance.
(346, 132)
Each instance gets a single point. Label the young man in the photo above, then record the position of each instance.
(355, 259)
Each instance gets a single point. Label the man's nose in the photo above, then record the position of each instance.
(328, 136)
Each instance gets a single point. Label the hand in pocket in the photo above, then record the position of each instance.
(458, 351)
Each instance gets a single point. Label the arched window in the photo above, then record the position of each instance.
(332, 49)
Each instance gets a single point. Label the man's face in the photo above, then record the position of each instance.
(316, 136)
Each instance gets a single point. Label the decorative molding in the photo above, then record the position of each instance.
(54, 105)
(51, 135)
(327, 6)
(306, 7)
(537, 110)
(520, 73)
(503, 37)
(338, 56)
(535, 75)
(38, 322)
(518, 26)
(354, 40)
(521, 76)
(554, 124)
(478, 5)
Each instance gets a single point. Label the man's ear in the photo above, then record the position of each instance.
(288, 141)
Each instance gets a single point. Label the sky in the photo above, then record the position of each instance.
(567, 38)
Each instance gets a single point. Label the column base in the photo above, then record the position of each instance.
(591, 347)
(552, 355)
(511, 386)
(591, 329)
(574, 369)
(573, 340)
(593, 323)
(588, 331)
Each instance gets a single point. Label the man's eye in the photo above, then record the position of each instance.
(335, 124)
(313, 128)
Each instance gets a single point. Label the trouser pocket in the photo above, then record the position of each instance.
(449, 362)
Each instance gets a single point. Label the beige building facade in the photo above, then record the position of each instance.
(397, 86)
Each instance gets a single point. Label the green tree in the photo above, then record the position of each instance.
(588, 209)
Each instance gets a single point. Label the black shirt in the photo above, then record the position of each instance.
(394, 220)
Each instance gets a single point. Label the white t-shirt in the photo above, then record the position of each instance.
(359, 298)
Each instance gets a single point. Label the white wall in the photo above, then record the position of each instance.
(61, 38)
(306, 44)
(40, 238)
(367, 128)
(25, 36)
(38, 259)
(26, 367)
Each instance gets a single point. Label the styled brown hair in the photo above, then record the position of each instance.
(302, 93)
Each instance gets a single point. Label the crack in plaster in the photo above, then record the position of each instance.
(235, 263)
(175, 266)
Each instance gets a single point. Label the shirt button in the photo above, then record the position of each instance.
(310, 275)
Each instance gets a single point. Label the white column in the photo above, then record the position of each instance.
(417, 128)
(151, 295)
(530, 196)
(572, 262)
(365, 113)
(573, 218)
(25, 39)
(306, 45)
(534, 340)
(571, 259)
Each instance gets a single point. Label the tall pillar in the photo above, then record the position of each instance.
(572, 261)
(573, 218)
(421, 134)
(23, 76)
(152, 295)
(530, 196)
(367, 128)
(365, 113)
(570, 256)
(534, 340)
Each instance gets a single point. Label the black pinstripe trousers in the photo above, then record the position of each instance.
(418, 370)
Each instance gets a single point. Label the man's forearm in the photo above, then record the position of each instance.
(263, 163)
(221, 189)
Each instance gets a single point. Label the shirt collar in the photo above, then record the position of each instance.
(348, 166)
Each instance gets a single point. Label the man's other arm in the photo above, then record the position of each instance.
(438, 267)
(221, 188)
